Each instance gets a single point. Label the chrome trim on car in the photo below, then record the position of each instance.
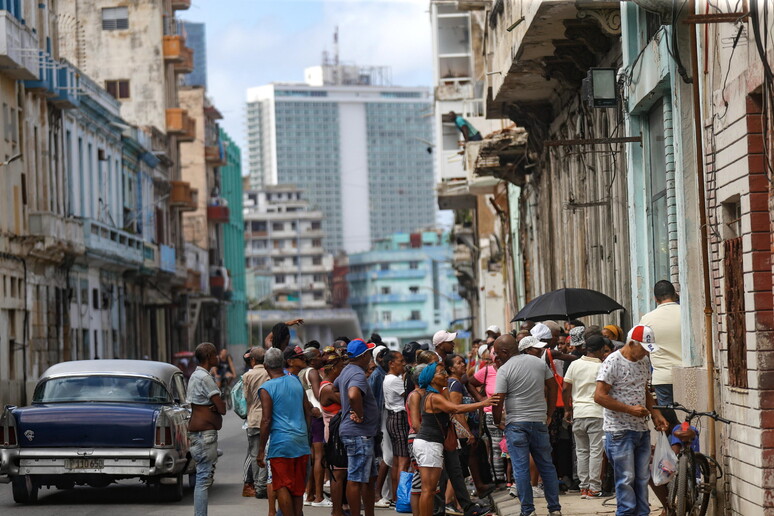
(118, 461)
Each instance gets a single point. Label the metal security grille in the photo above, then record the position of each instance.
(735, 313)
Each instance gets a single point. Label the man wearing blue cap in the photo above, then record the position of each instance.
(359, 425)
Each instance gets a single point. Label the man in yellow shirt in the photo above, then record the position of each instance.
(665, 322)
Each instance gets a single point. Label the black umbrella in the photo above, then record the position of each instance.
(565, 304)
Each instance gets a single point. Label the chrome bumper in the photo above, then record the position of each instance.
(117, 461)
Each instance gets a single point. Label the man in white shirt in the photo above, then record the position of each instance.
(585, 414)
(665, 322)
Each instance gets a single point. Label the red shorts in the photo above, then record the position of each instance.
(289, 473)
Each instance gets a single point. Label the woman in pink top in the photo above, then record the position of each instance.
(486, 377)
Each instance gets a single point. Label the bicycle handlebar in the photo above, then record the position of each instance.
(692, 413)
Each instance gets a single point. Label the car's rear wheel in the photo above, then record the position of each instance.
(171, 492)
(25, 489)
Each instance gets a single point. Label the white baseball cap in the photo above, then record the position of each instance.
(493, 329)
(645, 336)
(541, 331)
(482, 349)
(442, 336)
(531, 342)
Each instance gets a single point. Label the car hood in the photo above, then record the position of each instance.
(93, 425)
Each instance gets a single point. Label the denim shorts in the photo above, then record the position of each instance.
(361, 465)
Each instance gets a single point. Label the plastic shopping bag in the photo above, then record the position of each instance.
(664, 461)
(403, 503)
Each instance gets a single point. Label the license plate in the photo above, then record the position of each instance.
(84, 463)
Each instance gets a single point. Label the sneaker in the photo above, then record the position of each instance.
(590, 493)
(261, 495)
(537, 492)
(383, 503)
(326, 502)
(583, 493)
(513, 491)
(555, 513)
(307, 503)
(248, 490)
(453, 511)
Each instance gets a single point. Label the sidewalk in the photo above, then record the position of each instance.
(572, 504)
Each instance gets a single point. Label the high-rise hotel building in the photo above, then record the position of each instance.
(361, 151)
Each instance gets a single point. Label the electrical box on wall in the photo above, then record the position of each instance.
(599, 88)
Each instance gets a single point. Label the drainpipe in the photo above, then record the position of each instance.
(708, 344)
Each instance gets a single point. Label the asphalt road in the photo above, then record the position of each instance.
(133, 497)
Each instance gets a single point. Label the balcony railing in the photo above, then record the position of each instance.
(67, 87)
(388, 298)
(182, 196)
(18, 45)
(178, 121)
(398, 325)
(56, 233)
(218, 214)
(394, 274)
(150, 256)
(113, 244)
(181, 5)
(186, 62)
(168, 259)
(46, 74)
(215, 156)
(173, 48)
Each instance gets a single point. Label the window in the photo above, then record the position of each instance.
(385, 266)
(317, 260)
(279, 279)
(413, 265)
(118, 88)
(414, 290)
(278, 226)
(319, 278)
(658, 192)
(316, 242)
(416, 315)
(115, 18)
(387, 316)
(385, 290)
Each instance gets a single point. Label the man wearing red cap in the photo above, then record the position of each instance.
(622, 389)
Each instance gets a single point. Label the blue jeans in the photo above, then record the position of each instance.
(525, 439)
(629, 453)
(361, 461)
(204, 450)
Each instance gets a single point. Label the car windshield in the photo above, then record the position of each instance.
(124, 389)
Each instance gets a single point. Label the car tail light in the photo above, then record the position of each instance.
(7, 430)
(163, 431)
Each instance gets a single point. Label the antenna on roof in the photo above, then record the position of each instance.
(336, 46)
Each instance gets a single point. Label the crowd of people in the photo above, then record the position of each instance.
(545, 409)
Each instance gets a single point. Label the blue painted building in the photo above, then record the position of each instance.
(405, 287)
(196, 39)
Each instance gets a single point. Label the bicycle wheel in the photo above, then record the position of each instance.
(683, 492)
(704, 485)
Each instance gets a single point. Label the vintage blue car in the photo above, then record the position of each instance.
(93, 422)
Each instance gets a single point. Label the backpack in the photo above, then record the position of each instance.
(335, 452)
(238, 400)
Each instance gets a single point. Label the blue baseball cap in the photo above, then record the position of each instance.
(358, 347)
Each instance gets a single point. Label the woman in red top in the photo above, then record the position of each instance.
(330, 400)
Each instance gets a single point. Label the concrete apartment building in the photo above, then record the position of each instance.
(284, 255)
(356, 146)
(405, 287)
(196, 40)
(667, 178)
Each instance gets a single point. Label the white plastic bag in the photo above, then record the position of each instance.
(664, 461)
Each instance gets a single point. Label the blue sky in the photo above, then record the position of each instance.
(254, 42)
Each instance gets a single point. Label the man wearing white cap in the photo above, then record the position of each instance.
(530, 398)
(622, 389)
(443, 341)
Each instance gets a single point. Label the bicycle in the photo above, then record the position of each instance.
(689, 494)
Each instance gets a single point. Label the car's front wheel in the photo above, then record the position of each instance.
(25, 489)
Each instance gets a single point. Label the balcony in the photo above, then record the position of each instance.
(220, 283)
(18, 49)
(388, 298)
(67, 87)
(168, 259)
(179, 123)
(218, 214)
(182, 196)
(55, 235)
(399, 325)
(215, 156)
(181, 5)
(45, 81)
(150, 256)
(193, 280)
(189, 134)
(113, 245)
(498, 156)
(186, 62)
(396, 274)
(173, 48)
